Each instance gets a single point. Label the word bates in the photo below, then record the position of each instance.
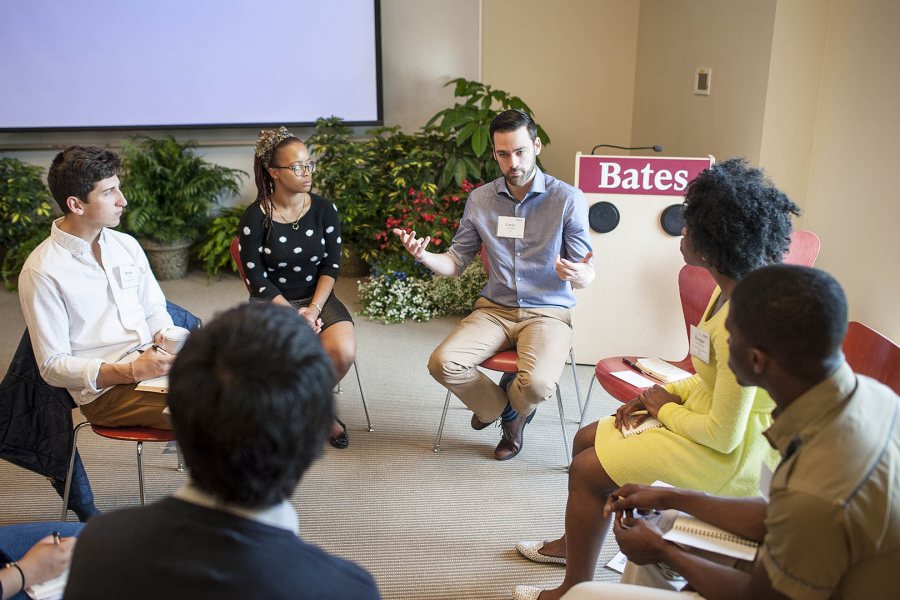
(637, 175)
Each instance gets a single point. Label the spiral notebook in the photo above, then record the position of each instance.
(648, 423)
(691, 531)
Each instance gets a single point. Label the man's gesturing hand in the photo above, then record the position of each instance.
(413, 245)
(580, 273)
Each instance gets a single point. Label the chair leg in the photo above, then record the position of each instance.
(362, 395)
(575, 379)
(181, 468)
(562, 423)
(437, 440)
(67, 489)
(140, 467)
(587, 400)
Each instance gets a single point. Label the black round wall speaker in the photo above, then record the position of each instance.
(672, 219)
(603, 217)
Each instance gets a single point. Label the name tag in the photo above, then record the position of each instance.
(699, 344)
(129, 276)
(511, 227)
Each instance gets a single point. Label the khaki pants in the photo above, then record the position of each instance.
(123, 406)
(542, 338)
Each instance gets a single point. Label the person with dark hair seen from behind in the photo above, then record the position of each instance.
(91, 303)
(735, 221)
(249, 427)
(290, 246)
(533, 228)
(831, 525)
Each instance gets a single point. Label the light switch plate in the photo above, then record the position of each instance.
(702, 81)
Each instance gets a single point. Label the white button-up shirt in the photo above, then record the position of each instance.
(81, 314)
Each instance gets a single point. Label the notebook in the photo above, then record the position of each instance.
(49, 590)
(665, 372)
(691, 531)
(648, 423)
(160, 385)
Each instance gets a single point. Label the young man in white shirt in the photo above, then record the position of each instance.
(90, 301)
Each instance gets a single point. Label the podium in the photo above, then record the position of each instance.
(633, 306)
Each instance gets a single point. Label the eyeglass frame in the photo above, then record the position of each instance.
(298, 168)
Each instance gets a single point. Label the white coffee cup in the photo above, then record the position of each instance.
(174, 338)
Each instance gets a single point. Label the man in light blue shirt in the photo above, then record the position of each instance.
(533, 229)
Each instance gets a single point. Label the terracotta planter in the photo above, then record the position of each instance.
(168, 260)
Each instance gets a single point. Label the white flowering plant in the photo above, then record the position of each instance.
(399, 290)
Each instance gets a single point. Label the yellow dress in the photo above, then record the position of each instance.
(711, 442)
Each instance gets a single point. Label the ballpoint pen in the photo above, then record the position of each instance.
(640, 370)
(56, 538)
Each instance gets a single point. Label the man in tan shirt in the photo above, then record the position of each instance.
(831, 527)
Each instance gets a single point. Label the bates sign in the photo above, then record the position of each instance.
(637, 175)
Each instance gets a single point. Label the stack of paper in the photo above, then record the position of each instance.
(665, 372)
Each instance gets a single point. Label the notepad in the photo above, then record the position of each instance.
(648, 423)
(49, 590)
(662, 370)
(633, 378)
(691, 531)
(159, 385)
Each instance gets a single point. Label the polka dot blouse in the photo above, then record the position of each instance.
(290, 261)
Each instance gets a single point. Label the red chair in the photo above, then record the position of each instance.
(695, 285)
(870, 353)
(128, 434)
(235, 249)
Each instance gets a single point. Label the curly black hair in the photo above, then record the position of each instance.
(737, 219)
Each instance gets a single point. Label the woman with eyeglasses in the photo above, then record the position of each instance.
(290, 246)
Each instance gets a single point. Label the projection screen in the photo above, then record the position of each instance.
(188, 63)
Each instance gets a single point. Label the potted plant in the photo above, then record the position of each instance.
(25, 215)
(170, 191)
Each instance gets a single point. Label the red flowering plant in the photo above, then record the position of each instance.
(418, 211)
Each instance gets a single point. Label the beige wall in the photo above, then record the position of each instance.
(733, 38)
(792, 99)
(572, 62)
(854, 178)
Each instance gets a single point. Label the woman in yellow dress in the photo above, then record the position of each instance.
(735, 221)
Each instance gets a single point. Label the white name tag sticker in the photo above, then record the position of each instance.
(129, 276)
(511, 227)
(699, 344)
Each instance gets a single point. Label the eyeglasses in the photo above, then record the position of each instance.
(299, 168)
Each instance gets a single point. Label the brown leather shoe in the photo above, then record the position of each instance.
(478, 424)
(513, 437)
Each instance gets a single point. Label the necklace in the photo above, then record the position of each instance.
(295, 225)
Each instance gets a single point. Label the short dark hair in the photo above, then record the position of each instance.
(797, 315)
(77, 169)
(251, 402)
(737, 219)
(510, 120)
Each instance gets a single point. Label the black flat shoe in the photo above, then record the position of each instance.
(340, 441)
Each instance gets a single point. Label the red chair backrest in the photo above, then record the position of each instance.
(870, 353)
(236, 257)
(695, 285)
(804, 249)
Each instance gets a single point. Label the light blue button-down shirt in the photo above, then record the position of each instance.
(520, 271)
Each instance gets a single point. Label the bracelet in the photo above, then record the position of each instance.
(131, 370)
(318, 308)
(21, 573)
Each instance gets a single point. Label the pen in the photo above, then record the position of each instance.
(56, 538)
(640, 370)
(160, 349)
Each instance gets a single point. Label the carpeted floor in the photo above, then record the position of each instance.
(427, 525)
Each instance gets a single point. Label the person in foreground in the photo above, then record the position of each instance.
(31, 554)
(831, 527)
(290, 246)
(534, 231)
(251, 402)
(711, 436)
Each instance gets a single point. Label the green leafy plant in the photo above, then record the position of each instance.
(170, 189)
(215, 253)
(25, 215)
(468, 124)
